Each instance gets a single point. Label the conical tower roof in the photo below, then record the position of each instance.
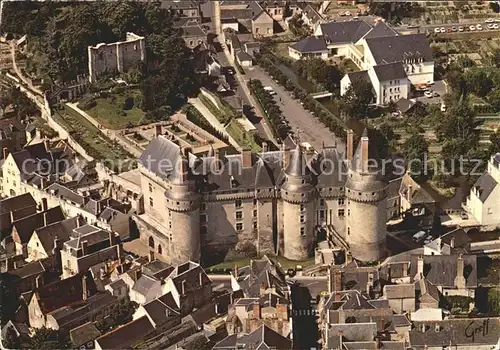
(297, 166)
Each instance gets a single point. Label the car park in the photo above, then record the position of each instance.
(428, 94)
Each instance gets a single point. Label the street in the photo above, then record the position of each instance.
(310, 129)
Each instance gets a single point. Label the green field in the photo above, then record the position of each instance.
(110, 114)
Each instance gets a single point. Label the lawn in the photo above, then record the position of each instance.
(110, 113)
(243, 138)
(91, 139)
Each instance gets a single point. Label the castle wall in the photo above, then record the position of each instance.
(154, 189)
(185, 236)
(298, 230)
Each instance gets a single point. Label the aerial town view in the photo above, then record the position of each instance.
(199, 174)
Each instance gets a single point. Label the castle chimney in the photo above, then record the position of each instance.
(262, 289)
(200, 278)
(246, 156)
(265, 147)
(452, 242)
(286, 155)
(420, 268)
(45, 221)
(460, 279)
(364, 153)
(38, 283)
(350, 144)
(111, 238)
(151, 256)
(45, 206)
(256, 310)
(218, 165)
(157, 130)
(84, 287)
(183, 287)
(84, 247)
(348, 257)
(5, 152)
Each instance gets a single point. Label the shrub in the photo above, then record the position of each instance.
(87, 103)
(128, 103)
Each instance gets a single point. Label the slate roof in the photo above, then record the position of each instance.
(243, 56)
(60, 230)
(27, 225)
(344, 32)
(359, 76)
(261, 272)
(238, 14)
(28, 270)
(191, 273)
(398, 291)
(228, 342)
(398, 48)
(159, 312)
(354, 331)
(456, 332)
(381, 29)
(389, 71)
(441, 270)
(310, 44)
(144, 284)
(192, 31)
(22, 201)
(424, 287)
(264, 338)
(485, 185)
(310, 12)
(9, 127)
(125, 336)
(419, 195)
(83, 334)
(404, 105)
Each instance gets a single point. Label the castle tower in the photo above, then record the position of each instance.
(183, 203)
(366, 204)
(298, 194)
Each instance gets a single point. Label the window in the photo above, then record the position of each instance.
(348, 212)
(203, 230)
(322, 202)
(150, 202)
(322, 214)
(348, 231)
(203, 207)
(302, 219)
(203, 218)
(255, 225)
(341, 212)
(159, 249)
(151, 242)
(150, 188)
(302, 231)
(255, 213)
(490, 211)
(302, 207)
(239, 215)
(169, 213)
(169, 224)
(238, 203)
(254, 201)
(239, 226)
(341, 201)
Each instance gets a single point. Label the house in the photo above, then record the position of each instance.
(53, 296)
(23, 229)
(125, 336)
(401, 297)
(161, 312)
(45, 241)
(263, 337)
(12, 136)
(309, 47)
(89, 246)
(389, 82)
(262, 24)
(252, 48)
(244, 59)
(19, 330)
(25, 278)
(193, 35)
(118, 289)
(83, 336)
(145, 289)
(428, 295)
(310, 15)
(483, 202)
(274, 8)
(190, 286)
(15, 208)
(458, 333)
(184, 8)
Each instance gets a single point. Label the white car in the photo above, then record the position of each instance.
(479, 27)
(437, 30)
(460, 29)
(491, 26)
(347, 13)
(496, 26)
(269, 90)
(443, 30)
(490, 20)
(472, 28)
(428, 94)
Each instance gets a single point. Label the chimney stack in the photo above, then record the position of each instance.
(364, 153)
(46, 144)
(256, 310)
(262, 289)
(183, 287)
(235, 271)
(452, 242)
(45, 221)
(410, 192)
(151, 256)
(265, 147)
(45, 206)
(12, 217)
(420, 267)
(157, 130)
(200, 278)
(111, 237)
(350, 144)
(460, 279)
(218, 165)
(246, 156)
(286, 155)
(5, 153)
(137, 274)
(348, 257)
(84, 247)
(438, 244)
(38, 284)
(84, 287)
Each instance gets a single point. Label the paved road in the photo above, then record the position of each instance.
(310, 129)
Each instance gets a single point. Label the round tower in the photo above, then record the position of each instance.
(298, 194)
(366, 205)
(183, 203)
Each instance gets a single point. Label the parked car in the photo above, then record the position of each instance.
(417, 237)
(230, 70)
(347, 13)
(479, 27)
(454, 29)
(443, 107)
(460, 29)
(464, 215)
(496, 26)
(428, 239)
(435, 94)
(269, 90)
(449, 30)
(428, 94)
(472, 28)
(443, 30)
(490, 20)
(491, 26)
(437, 30)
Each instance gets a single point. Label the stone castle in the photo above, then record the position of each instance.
(269, 202)
(115, 57)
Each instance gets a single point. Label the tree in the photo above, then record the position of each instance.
(478, 82)
(496, 58)
(495, 143)
(414, 150)
(494, 301)
(45, 338)
(9, 299)
(358, 98)
(418, 111)
(11, 340)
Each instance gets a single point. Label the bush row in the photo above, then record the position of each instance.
(326, 117)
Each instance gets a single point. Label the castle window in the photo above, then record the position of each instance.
(254, 225)
(151, 242)
(238, 203)
(160, 250)
(348, 231)
(203, 218)
(203, 230)
(255, 213)
(302, 207)
(169, 224)
(169, 213)
(302, 231)
(322, 214)
(150, 188)
(341, 201)
(135, 47)
(322, 202)
(239, 215)
(302, 219)
(348, 212)
(341, 212)
(150, 202)
(373, 193)
(203, 207)
(239, 226)
(254, 201)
